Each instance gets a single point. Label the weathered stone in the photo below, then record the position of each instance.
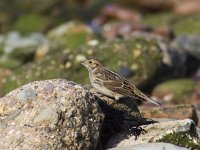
(151, 146)
(62, 116)
(181, 132)
(175, 112)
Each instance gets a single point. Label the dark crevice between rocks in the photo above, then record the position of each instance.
(165, 72)
(121, 117)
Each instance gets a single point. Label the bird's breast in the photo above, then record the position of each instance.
(101, 88)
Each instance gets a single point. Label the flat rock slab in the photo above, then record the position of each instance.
(151, 146)
(50, 114)
(181, 132)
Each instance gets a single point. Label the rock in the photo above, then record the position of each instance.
(187, 44)
(17, 49)
(151, 146)
(61, 116)
(48, 114)
(142, 56)
(181, 133)
(187, 7)
(175, 112)
(181, 24)
(177, 91)
(70, 35)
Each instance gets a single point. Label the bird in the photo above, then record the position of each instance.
(111, 84)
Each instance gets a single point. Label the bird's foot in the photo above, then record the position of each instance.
(136, 131)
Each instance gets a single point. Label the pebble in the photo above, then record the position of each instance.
(47, 114)
(26, 95)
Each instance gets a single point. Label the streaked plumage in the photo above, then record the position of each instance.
(111, 84)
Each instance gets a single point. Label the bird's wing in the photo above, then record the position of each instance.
(114, 82)
(124, 87)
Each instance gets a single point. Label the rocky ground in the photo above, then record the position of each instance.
(45, 103)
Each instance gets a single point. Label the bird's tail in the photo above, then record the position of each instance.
(147, 98)
(153, 101)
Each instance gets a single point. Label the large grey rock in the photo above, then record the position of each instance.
(17, 49)
(181, 132)
(54, 114)
(151, 146)
(187, 44)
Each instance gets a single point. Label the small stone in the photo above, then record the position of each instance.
(47, 114)
(13, 115)
(26, 95)
(2, 107)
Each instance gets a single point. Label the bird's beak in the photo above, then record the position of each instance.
(83, 63)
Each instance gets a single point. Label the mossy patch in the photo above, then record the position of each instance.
(181, 24)
(29, 23)
(179, 88)
(182, 139)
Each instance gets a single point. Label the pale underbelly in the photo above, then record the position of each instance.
(107, 92)
(103, 90)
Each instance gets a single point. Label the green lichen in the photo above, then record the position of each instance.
(7, 62)
(181, 24)
(182, 139)
(187, 24)
(29, 23)
(74, 35)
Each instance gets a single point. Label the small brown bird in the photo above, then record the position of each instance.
(111, 84)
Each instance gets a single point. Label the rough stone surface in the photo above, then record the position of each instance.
(151, 146)
(62, 115)
(181, 132)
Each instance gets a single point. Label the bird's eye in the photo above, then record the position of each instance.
(90, 62)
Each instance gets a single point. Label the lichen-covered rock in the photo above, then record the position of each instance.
(177, 91)
(70, 35)
(136, 59)
(181, 24)
(151, 146)
(67, 36)
(181, 132)
(17, 49)
(50, 114)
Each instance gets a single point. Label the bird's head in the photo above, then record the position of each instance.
(92, 64)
